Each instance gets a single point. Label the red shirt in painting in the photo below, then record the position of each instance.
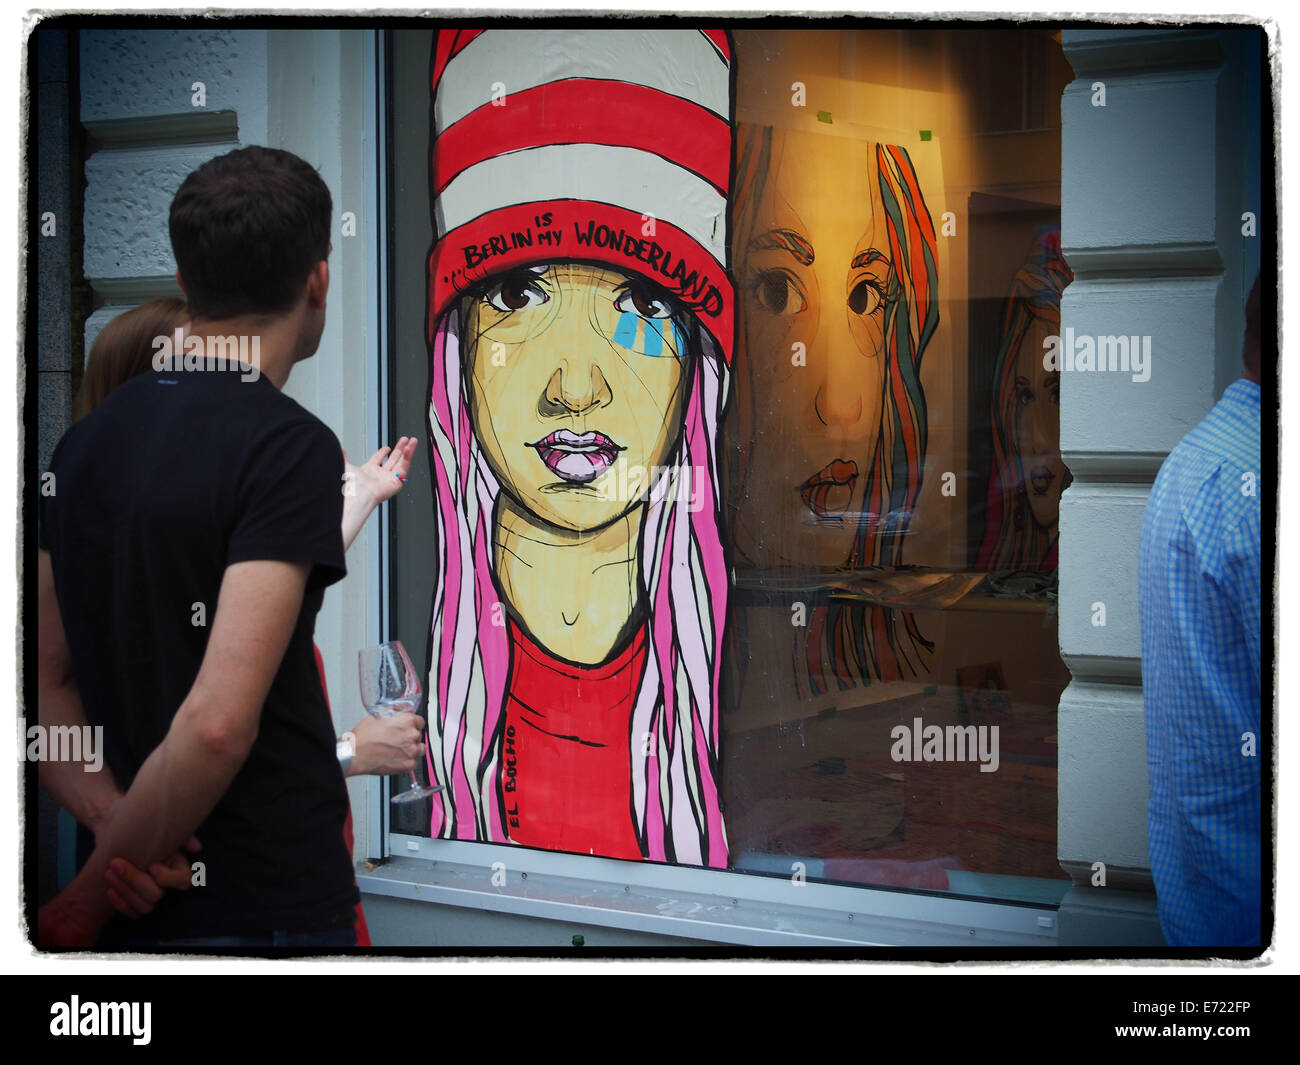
(566, 773)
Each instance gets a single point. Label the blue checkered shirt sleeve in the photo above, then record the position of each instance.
(1199, 587)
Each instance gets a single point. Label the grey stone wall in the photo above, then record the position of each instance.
(1154, 182)
(157, 104)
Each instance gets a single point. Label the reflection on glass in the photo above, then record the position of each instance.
(1028, 476)
(886, 723)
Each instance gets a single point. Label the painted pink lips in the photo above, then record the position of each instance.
(577, 457)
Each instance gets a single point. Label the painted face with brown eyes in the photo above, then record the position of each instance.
(1037, 428)
(576, 377)
(814, 276)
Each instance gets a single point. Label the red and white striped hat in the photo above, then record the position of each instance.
(600, 145)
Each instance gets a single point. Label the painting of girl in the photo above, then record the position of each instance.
(837, 263)
(580, 330)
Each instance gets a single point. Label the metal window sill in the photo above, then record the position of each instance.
(711, 906)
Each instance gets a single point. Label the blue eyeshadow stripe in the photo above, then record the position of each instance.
(654, 337)
(625, 333)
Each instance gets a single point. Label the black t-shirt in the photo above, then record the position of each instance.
(171, 479)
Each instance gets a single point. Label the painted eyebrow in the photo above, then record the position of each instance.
(869, 256)
(786, 240)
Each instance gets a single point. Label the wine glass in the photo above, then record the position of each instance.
(389, 686)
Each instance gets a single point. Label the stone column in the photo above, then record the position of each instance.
(1154, 175)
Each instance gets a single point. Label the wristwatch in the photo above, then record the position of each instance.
(345, 747)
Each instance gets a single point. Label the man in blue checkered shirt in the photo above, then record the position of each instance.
(1199, 587)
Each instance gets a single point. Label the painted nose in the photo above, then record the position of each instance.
(837, 406)
(1040, 436)
(838, 400)
(570, 393)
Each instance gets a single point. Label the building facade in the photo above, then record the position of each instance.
(1141, 147)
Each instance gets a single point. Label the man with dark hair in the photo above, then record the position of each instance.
(185, 551)
(1199, 590)
(246, 228)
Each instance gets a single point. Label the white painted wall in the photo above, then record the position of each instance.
(133, 73)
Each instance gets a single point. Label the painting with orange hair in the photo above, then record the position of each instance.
(837, 263)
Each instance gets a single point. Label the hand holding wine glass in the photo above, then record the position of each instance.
(389, 685)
